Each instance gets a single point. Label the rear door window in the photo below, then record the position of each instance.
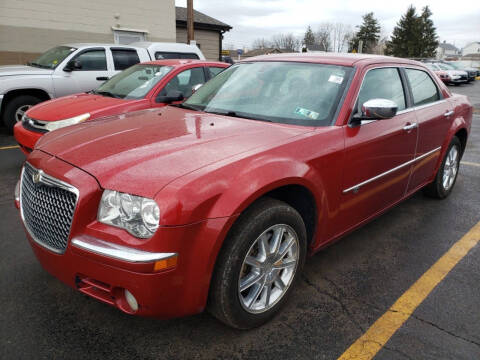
(163, 55)
(382, 83)
(124, 58)
(424, 90)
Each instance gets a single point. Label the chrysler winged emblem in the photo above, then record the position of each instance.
(37, 176)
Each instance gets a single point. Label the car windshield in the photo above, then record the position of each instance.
(134, 82)
(53, 57)
(284, 92)
(444, 66)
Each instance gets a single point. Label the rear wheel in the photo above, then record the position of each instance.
(446, 177)
(258, 265)
(16, 108)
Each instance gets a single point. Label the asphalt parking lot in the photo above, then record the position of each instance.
(345, 290)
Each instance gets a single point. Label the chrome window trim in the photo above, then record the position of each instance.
(363, 79)
(49, 181)
(359, 185)
(408, 109)
(118, 252)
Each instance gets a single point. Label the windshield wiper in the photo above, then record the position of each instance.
(238, 115)
(189, 107)
(31, 63)
(106, 93)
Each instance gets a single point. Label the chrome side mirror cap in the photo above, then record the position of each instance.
(379, 109)
(195, 88)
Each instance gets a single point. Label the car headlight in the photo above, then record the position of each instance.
(138, 215)
(54, 125)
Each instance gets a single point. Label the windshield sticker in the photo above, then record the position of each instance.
(335, 79)
(307, 113)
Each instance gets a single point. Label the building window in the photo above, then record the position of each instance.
(127, 37)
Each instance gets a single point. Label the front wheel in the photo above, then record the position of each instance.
(446, 177)
(258, 265)
(16, 108)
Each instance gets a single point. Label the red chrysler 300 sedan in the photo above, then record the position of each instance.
(139, 87)
(216, 202)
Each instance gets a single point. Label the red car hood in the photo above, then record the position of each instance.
(69, 106)
(141, 152)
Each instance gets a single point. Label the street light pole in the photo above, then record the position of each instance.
(190, 34)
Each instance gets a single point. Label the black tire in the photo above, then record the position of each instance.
(9, 116)
(436, 189)
(224, 299)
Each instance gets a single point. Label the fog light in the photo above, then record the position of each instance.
(132, 302)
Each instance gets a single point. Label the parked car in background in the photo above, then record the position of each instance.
(73, 68)
(456, 77)
(442, 74)
(214, 203)
(142, 86)
(472, 73)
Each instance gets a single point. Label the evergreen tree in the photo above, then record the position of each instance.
(406, 37)
(309, 38)
(429, 41)
(368, 32)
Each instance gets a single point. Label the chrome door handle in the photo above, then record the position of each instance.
(448, 113)
(410, 127)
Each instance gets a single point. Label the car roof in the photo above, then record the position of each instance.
(181, 62)
(345, 59)
(82, 45)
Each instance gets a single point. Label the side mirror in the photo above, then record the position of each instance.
(378, 109)
(172, 95)
(195, 88)
(73, 65)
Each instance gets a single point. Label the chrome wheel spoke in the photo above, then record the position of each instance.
(276, 240)
(285, 264)
(249, 280)
(255, 294)
(279, 283)
(263, 245)
(250, 260)
(268, 289)
(287, 246)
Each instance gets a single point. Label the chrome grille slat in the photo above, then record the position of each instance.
(47, 209)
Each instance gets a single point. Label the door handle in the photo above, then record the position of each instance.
(102, 78)
(448, 113)
(410, 127)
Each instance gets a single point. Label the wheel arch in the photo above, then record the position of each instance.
(11, 94)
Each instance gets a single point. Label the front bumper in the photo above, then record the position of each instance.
(103, 261)
(26, 138)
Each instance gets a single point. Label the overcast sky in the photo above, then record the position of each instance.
(457, 22)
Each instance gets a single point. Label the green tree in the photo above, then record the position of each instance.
(309, 38)
(368, 32)
(406, 37)
(429, 40)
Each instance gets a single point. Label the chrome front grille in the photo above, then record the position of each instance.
(47, 207)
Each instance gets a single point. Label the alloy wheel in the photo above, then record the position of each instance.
(21, 111)
(268, 268)
(450, 168)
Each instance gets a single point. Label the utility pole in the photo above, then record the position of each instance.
(190, 34)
